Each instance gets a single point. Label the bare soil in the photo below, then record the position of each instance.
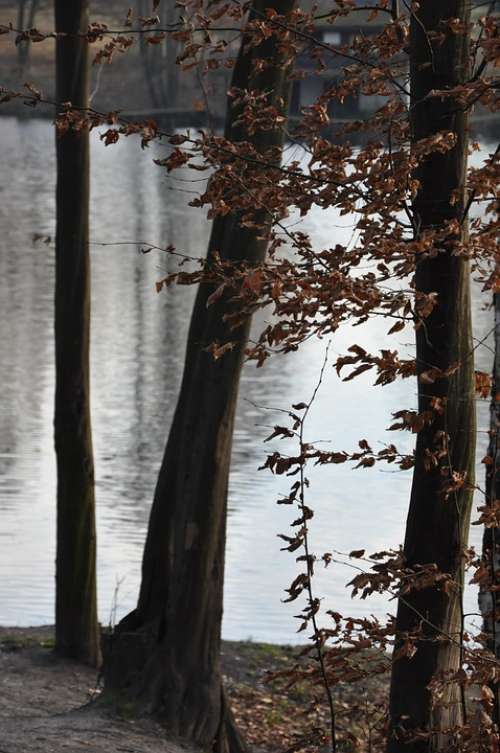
(48, 704)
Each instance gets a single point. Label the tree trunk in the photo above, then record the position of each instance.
(488, 597)
(437, 528)
(165, 654)
(21, 5)
(77, 634)
(146, 51)
(23, 49)
(170, 68)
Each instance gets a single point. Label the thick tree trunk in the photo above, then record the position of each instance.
(165, 654)
(437, 528)
(77, 634)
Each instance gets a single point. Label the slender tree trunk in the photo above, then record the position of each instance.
(165, 654)
(171, 69)
(23, 49)
(32, 13)
(488, 597)
(21, 5)
(77, 634)
(437, 528)
(147, 64)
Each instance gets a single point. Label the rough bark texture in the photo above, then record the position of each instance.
(437, 529)
(76, 612)
(165, 654)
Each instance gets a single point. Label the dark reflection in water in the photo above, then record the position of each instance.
(138, 340)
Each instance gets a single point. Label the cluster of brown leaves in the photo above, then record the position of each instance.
(276, 715)
(368, 170)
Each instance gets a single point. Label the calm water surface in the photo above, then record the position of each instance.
(138, 340)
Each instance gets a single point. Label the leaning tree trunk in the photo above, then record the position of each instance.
(165, 654)
(77, 634)
(437, 527)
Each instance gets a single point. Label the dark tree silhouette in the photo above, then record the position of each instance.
(488, 598)
(437, 526)
(77, 633)
(165, 654)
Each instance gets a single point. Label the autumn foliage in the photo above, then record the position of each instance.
(371, 170)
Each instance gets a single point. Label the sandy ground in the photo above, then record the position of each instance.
(46, 704)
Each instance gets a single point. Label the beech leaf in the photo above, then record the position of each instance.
(357, 553)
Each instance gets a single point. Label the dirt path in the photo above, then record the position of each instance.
(46, 704)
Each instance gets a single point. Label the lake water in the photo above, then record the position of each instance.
(138, 340)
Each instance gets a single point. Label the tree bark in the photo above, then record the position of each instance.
(77, 634)
(165, 654)
(437, 528)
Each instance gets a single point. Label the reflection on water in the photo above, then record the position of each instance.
(138, 342)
